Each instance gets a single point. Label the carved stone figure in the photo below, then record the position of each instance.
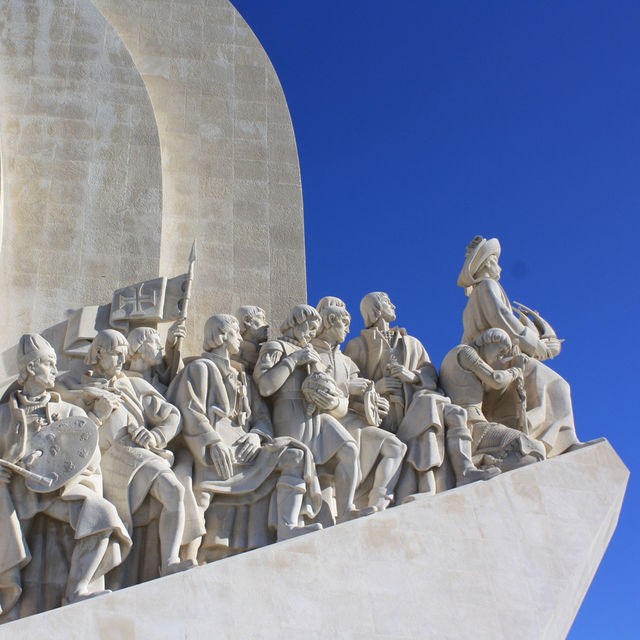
(254, 330)
(282, 367)
(37, 430)
(465, 374)
(420, 414)
(237, 460)
(380, 452)
(549, 409)
(136, 424)
(146, 357)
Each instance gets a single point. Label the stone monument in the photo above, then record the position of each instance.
(150, 175)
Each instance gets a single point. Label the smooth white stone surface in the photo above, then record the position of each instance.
(511, 557)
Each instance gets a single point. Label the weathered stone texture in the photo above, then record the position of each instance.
(510, 557)
(80, 160)
(231, 177)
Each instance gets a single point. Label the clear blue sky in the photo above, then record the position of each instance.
(421, 124)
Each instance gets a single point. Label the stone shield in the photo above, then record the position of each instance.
(62, 449)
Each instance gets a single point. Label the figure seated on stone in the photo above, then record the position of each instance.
(420, 414)
(136, 425)
(244, 478)
(360, 408)
(254, 330)
(38, 430)
(282, 367)
(549, 409)
(466, 372)
(147, 359)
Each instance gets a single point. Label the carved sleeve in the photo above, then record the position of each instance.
(272, 369)
(469, 359)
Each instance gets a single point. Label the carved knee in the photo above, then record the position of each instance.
(292, 461)
(169, 491)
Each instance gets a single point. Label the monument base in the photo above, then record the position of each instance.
(510, 557)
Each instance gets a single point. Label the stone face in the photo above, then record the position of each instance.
(517, 552)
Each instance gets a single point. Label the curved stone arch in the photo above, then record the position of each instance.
(82, 169)
(231, 177)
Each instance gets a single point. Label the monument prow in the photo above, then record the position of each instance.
(489, 560)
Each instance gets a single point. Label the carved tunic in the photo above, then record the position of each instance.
(322, 433)
(79, 502)
(369, 438)
(549, 408)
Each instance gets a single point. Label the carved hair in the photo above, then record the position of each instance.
(247, 311)
(107, 340)
(137, 337)
(216, 327)
(492, 336)
(330, 314)
(329, 301)
(371, 307)
(299, 314)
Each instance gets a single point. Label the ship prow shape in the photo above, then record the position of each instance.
(510, 557)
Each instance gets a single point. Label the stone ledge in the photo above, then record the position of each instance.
(517, 552)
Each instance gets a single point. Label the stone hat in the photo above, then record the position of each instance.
(31, 347)
(478, 251)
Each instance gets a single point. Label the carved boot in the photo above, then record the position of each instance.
(289, 493)
(459, 450)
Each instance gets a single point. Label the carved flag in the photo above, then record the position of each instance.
(157, 300)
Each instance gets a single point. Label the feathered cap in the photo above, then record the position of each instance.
(478, 251)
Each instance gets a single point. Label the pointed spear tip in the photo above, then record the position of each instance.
(192, 255)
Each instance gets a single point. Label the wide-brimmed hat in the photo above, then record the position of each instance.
(478, 251)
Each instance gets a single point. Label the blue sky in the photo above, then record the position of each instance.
(421, 124)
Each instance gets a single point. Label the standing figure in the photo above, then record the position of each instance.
(282, 367)
(147, 359)
(238, 465)
(420, 414)
(35, 416)
(466, 372)
(380, 452)
(254, 330)
(136, 425)
(549, 409)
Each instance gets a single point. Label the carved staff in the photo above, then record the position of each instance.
(177, 355)
(29, 475)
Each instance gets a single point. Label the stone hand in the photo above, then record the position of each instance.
(519, 361)
(553, 346)
(324, 399)
(177, 330)
(383, 405)
(249, 447)
(402, 373)
(5, 475)
(307, 355)
(388, 386)
(221, 459)
(104, 404)
(143, 437)
(357, 386)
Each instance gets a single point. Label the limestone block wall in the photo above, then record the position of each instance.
(127, 130)
(80, 164)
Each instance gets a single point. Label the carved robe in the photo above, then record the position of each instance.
(549, 408)
(79, 503)
(417, 416)
(219, 403)
(322, 433)
(465, 376)
(350, 412)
